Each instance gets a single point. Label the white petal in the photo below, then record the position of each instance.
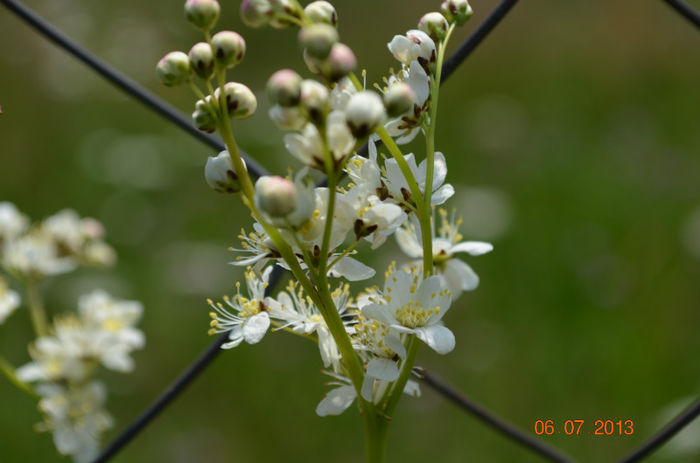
(336, 401)
(442, 194)
(463, 273)
(438, 337)
(383, 369)
(408, 242)
(475, 248)
(367, 390)
(351, 269)
(378, 312)
(419, 82)
(440, 170)
(432, 294)
(394, 343)
(248, 261)
(412, 388)
(255, 327)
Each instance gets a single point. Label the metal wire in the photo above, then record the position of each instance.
(490, 419)
(663, 436)
(122, 82)
(685, 10)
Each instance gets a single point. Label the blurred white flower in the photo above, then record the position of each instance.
(12, 222)
(76, 417)
(9, 300)
(35, 255)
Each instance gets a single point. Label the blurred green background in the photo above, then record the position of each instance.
(573, 139)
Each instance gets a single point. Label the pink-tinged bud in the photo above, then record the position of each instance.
(203, 14)
(457, 11)
(284, 88)
(318, 39)
(340, 62)
(173, 69)
(314, 98)
(434, 24)
(282, 10)
(321, 12)
(256, 13)
(399, 98)
(202, 60)
(275, 196)
(229, 48)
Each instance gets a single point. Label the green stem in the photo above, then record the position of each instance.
(375, 439)
(8, 370)
(406, 368)
(36, 309)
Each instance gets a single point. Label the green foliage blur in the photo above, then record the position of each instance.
(572, 139)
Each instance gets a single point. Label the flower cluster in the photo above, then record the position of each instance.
(66, 354)
(368, 340)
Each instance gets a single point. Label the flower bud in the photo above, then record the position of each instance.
(434, 24)
(220, 175)
(229, 48)
(318, 39)
(202, 60)
(284, 88)
(283, 9)
(203, 117)
(256, 13)
(340, 62)
(312, 63)
(173, 69)
(314, 98)
(202, 13)
(457, 11)
(275, 196)
(399, 98)
(364, 112)
(321, 12)
(289, 118)
(240, 100)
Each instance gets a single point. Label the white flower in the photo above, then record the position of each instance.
(341, 94)
(298, 312)
(406, 127)
(9, 300)
(12, 222)
(58, 357)
(311, 234)
(257, 246)
(308, 145)
(35, 255)
(76, 417)
(65, 227)
(415, 44)
(339, 399)
(398, 187)
(457, 275)
(251, 320)
(411, 305)
(375, 220)
(115, 318)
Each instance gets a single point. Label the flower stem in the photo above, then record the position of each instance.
(375, 439)
(36, 309)
(8, 370)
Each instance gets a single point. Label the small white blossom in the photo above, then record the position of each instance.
(251, 320)
(415, 44)
(35, 255)
(339, 399)
(76, 417)
(9, 300)
(398, 187)
(308, 145)
(411, 305)
(12, 222)
(447, 243)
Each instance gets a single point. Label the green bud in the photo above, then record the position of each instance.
(284, 88)
(256, 13)
(275, 196)
(173, 69)
(229, 48)
(203, 14)
(283, 9)
(318, 39)
(434, 24)
(321, 12)
(399, 99)
(203, 116)
(202, 60)
(457, 11)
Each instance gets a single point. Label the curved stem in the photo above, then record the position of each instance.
(8, 370)
(36, 309)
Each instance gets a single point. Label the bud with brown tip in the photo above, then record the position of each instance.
(240, 100)
(340, 62)
(202, 60)
(229, 48)
(174, 68)
(284, 88)
(203, 14)
(457, 11)
(321, 12)
(399, 98)
(256, 13)
(434, 24)
(318, 39)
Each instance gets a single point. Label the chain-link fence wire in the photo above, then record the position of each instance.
(197, 367)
